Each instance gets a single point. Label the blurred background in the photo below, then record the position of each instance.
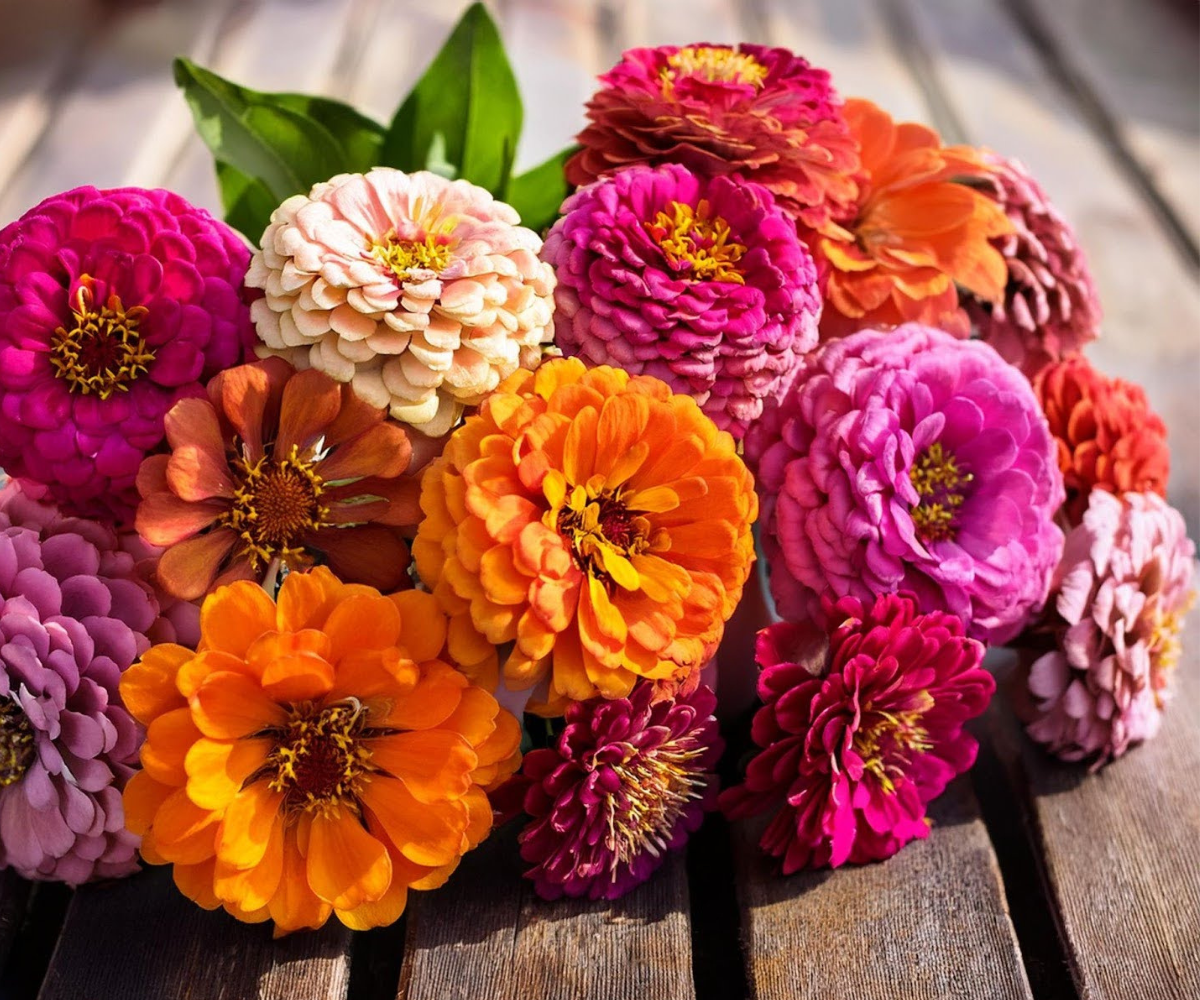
(1099, 98)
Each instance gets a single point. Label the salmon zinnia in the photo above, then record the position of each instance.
(595, 519)
(317, 756)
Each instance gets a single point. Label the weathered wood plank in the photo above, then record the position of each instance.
(930, 922)
(140, 939)
(485, 934)
(14, 897)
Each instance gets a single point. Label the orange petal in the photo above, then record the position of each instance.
(228, 705)
(427, 833)
(346, 865)
(355, 417)
(148, 686)
(141, 799)
(152, 475)
(311, 400)
(245, 396)
(380, 912)
(305, 599)
(362, 622)
(234, 616)
(430, 702)
(217, 769)
(197, 469)
(372, 554)
(434, 764)
(422, 624)
(382, 451)
(475, 717)
(246, 827)
(294, 905)
(196, 882)
(168, 739)
(252, 888)
(165, 519)
(292, 666)
(183, 832)
(192, 674)
(188, 569)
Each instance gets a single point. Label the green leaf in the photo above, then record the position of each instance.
(469, 97)
(248, 201)
(538, 193)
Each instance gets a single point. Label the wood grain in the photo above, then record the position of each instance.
(140, 939)
(485, 934)
(14, 897)
(930, 922)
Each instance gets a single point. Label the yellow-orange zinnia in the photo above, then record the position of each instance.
(598, 521)
(315, 756)
(919, 231)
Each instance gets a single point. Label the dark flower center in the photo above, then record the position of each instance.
(602, 530)
(319, 759)
(17, 748)
(276, 504)
(887, 740)
(940, 484)
(103, 351)
(695, 246)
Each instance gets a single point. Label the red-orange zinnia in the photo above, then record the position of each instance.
(918, 232)
(315, 756)
(596, 520)
(277, 467)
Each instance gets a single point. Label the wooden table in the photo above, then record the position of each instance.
(1037, 881)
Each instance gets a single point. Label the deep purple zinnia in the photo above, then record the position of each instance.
(702, 283)
(74, 613)
(910, 460)
(113, 306)
(626, 783)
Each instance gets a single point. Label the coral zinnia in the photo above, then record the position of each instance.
(624, 785)
(315, 756)
(422, 293)
(761, 112)
(915, 233)
(273, 468)
(113, 305)
(73, 615)
(594, 518)
(1108, 437)
(703, 284)
(1050, 308)
(910, 460)
(857, 737)
(1120, 595)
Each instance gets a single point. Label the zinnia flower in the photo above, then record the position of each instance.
(113, 306)
(1108, 438)
(625, 784)
(596, 520)
(73, 615)
(1120, 595)
(703, 284)
(274, 468)
(917, 230)
(422, 293)
(858, 735)
(761, 112)
(1050, 308)
(910, 460)
(315, 756)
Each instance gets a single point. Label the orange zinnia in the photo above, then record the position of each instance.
(314, 756)
(595, 519)
(918, 232)
(275, 468)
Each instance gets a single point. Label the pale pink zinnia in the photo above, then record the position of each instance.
(421, 292)
(1120, 594)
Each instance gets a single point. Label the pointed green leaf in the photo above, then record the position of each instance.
(538, 193)
(247, 200)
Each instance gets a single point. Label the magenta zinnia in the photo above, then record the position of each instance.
(858, 735)
(910, 460)
(703, 284)
(113, 306)
(624, 785)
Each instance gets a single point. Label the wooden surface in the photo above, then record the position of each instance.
(1036, 881)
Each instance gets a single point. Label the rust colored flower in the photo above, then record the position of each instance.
(1108, 437)
(596, 520)
(277, 468)
(918, 232)
(317, 756)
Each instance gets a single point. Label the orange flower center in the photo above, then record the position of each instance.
(939, 482)
(319, 760)
(274, 507)
(103, 351)
(602, 530)
(696, 247)
(17, 748)
(714, 64)
(886, 741)
(402, 257)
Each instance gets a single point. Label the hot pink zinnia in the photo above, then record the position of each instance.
(73, 615)
(910, 460)
(625, 784)
(703, 284)
(1120, 594)
(113, 305)
(860, 734)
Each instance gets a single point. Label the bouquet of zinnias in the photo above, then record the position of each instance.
(313, 512)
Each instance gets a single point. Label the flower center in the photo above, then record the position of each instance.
(17, 748)
(697, 247)
(939, 483)
(274, 506)
(1165, 646)
(403, 257)
(714, 64)
(602, 530)
(886, 741)
(103, 351)
(319, 759)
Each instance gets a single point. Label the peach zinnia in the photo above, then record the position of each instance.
(596, 520)
(317, 756)
(919, 231)
(273, 469)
